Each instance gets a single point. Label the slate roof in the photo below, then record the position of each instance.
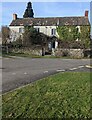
(50, 21)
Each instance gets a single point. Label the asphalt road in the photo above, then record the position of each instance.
(17, 72)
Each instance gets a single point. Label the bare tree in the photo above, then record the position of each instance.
(5, 34)
(0, 37)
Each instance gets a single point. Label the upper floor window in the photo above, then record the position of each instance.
(53, 31)
(21, 30)
(37, 29)
(78, 29)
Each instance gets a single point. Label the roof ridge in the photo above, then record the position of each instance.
(54, 17)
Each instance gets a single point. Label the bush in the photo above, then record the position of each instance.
(17, 43)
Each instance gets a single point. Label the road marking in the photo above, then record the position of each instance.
(88, 66)
(60, 70)
(80, 66)
(73, 68)
(13, 73)
(25, 73)
(45, 71)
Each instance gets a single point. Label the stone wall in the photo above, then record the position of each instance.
(72, 53)
(27, 51)
(76, 53)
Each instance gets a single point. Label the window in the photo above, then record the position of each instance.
(53, 31)
(21, 30)
(37, 29)
(49, 45)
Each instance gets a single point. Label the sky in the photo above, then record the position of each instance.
(43, 9)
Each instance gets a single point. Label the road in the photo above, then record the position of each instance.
(18, 72)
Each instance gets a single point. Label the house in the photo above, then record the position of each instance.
(45, 25)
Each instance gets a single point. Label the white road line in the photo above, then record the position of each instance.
(45, 71)
(13, 73)
(80, 66)
(73, 68)
(60, 70)
(88, 66)
(25, 73)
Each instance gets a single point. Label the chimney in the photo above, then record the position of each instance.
(14, 16)
(86, 13)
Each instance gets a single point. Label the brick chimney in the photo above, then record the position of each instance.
(14, 16)
(86, 13)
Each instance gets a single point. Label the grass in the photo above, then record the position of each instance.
(29, 55)
(63, 95)
(35, 56)
(20, 55)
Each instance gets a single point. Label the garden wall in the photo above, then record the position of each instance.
(73, 53)
(27, 51)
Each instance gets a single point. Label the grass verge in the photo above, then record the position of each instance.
(20, 55)
(10, 55)
(63, 95)
(32, 55)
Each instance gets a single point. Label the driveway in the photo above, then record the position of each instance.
(18, 72)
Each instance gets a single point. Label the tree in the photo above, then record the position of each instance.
(29, 11)
(17, 43)
(5, 34)
(32, 37)
(29, 36)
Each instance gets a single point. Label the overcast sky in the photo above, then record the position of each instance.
(43, 9)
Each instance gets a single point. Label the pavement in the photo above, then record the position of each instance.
(18, 72)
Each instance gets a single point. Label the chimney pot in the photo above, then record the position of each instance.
(86, 13)
(14, 16)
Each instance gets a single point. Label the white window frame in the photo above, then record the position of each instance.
(37, 29)
(21, 30)
(53, 31)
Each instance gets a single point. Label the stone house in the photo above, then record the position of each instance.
(45, 25)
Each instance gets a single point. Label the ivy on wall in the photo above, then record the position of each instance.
(85, 35)
(68, 32)
(72, 33)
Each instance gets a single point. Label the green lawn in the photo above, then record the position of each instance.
(62, 95)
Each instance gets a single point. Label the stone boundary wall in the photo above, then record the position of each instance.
(27, 51)
(73, 53)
